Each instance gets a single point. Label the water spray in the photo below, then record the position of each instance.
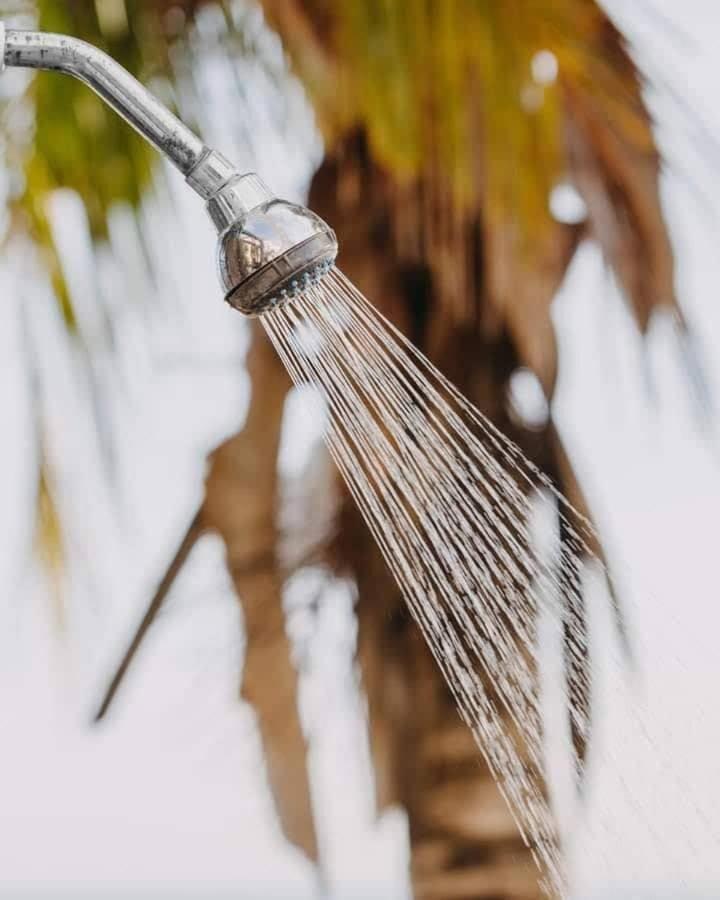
(269, 250)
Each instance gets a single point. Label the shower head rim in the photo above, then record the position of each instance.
(285, 278)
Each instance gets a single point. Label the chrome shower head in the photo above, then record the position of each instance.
(272, 255)
(270, 250)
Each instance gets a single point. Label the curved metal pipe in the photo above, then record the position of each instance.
(116, 86)
(206, 171)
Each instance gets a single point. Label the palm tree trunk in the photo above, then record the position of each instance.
(241, 506)
(464, 840)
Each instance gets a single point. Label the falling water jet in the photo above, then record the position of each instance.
(449, 508)
(364, 392)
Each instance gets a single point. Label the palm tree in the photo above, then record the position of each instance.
(450, 128)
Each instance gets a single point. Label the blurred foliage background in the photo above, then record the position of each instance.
(468, 150)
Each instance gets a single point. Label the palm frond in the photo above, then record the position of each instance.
(454, 101)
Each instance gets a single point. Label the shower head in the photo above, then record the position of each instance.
(272, 255)
(270, 251)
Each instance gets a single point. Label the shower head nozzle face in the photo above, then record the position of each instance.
(272, 255)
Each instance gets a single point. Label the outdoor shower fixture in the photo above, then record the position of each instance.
(269, 250)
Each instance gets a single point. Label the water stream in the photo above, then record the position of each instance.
(450, 502)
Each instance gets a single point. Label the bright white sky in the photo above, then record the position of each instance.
(167, 799)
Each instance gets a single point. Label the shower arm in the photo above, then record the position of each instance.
(206, 171)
